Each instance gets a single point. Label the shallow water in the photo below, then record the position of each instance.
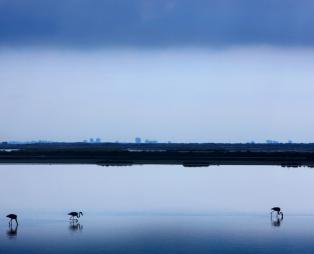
(156, 209)
(161, 234)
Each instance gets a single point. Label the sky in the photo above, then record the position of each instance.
(181, 71)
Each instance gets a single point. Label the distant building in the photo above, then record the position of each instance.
(138, 140)
(271, 141)
(98, 140)
(147, 141)
(290, 142)
(91, 140)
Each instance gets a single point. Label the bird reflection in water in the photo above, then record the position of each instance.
(75, 226)
(12, 231)
(276, 222)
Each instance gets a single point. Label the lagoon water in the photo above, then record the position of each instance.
(156, 209)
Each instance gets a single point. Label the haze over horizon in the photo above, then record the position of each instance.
(211, 71)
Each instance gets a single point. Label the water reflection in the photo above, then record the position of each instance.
(158, 234)
(137, 216)
(237, 185)
(276, 221)
(75, 226)
(12, 231)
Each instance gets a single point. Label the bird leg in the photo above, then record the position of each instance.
(271, 214)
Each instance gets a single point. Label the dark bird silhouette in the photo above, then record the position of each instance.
(12, 217)
(277, 210)
(75, 214)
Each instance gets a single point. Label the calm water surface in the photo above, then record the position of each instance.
(156, 209)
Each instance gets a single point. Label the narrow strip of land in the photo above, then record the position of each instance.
(189, 155)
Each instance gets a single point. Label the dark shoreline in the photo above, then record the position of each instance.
(189, 155)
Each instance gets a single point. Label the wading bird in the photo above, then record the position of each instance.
(75, 214)
(12, 217)
(277, 210)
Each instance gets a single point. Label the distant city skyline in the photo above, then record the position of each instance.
(138, 140)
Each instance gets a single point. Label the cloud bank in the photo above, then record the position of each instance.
(158, 23)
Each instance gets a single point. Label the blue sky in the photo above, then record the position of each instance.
(191, 71)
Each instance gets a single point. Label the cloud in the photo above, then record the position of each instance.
(158, 23)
